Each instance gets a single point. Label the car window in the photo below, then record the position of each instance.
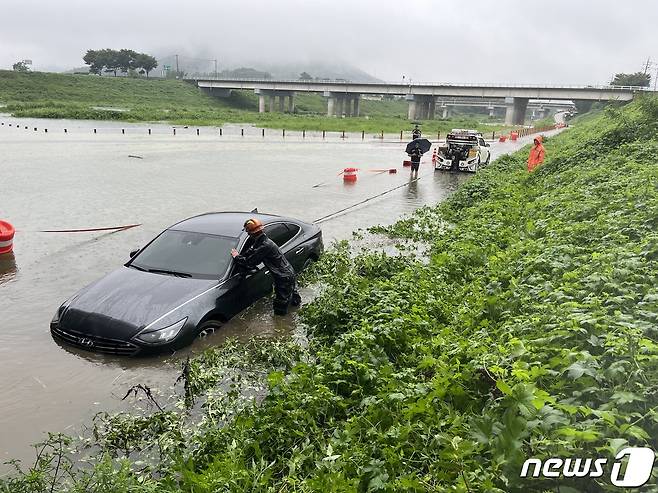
(294, 229)
(279, 233)
(196, 254)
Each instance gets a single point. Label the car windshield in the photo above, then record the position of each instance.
(187, 254)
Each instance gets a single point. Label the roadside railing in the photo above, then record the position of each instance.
(421, 84)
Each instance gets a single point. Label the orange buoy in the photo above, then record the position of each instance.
(514, 136)
(349, 174)
(392, 171)
(6, 237)
(502, 138)
(406, 163)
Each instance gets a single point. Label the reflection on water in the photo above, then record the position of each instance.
(412, 190)
(8, 267)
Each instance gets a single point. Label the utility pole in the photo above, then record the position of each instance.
(176, 65)
(215, 60)
(646, 67)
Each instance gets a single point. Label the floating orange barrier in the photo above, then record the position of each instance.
(7, 232)
(349, 174)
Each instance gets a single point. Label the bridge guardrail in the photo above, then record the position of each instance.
(425, 84)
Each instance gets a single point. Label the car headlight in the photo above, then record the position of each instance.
(160, 336)
(59, 312)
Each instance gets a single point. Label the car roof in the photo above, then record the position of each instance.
(225, 223)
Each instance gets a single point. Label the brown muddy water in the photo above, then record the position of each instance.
(79, 179)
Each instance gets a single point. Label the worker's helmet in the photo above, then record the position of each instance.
(253, 226)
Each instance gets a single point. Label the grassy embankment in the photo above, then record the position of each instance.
(48, 95)
(529, 332)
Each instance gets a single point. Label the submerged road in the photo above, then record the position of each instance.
(84, 180)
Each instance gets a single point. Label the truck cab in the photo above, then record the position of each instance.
(464, 150)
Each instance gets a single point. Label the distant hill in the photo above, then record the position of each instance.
(200, 66)
(319, 70)
(193, 66)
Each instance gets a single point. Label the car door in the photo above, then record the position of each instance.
(295, 252)
(484, 150)
(258, 283)
(281, 234)
(250, 286)
(254, 285)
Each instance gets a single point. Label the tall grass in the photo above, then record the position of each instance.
(45, 95)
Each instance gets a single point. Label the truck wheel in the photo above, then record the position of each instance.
(477, 166)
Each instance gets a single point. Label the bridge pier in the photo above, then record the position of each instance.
(272, 95)
(447, 112)
(411, 114)
(421, 107)
(339, 104)
(515, 112)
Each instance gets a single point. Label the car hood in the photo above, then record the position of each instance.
(122, 303)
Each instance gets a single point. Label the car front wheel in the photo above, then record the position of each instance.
(208, 328)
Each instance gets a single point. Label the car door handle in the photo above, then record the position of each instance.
(299, 250)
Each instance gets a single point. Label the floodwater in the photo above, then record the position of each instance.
(81, 179)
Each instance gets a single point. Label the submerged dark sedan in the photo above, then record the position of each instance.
(182, 284)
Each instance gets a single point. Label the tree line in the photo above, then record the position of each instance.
(114, 61)
(639, 79)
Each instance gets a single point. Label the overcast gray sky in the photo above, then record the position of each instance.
(523, 41)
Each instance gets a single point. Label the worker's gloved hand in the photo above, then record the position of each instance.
(234, 253)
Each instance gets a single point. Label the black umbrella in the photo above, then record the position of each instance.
(423, 144)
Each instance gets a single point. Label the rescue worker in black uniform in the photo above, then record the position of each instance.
(416, 133)
(266, 251)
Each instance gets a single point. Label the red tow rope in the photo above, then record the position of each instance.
(115, 228)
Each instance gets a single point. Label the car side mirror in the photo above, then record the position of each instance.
(134, 252)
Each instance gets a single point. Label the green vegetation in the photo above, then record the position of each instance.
(529, 331)
(20, 67)
(640, 79)
(76, 96)
(126, 61)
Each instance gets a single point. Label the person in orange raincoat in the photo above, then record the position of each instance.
(537, 154)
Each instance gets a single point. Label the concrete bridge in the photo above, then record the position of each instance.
(343, 96)
(539, 107)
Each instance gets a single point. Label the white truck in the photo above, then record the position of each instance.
(464, 150)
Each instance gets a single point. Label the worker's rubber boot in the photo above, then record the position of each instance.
(296, 300)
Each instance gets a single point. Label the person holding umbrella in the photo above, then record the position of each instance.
(415, 155)
(415, 149)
